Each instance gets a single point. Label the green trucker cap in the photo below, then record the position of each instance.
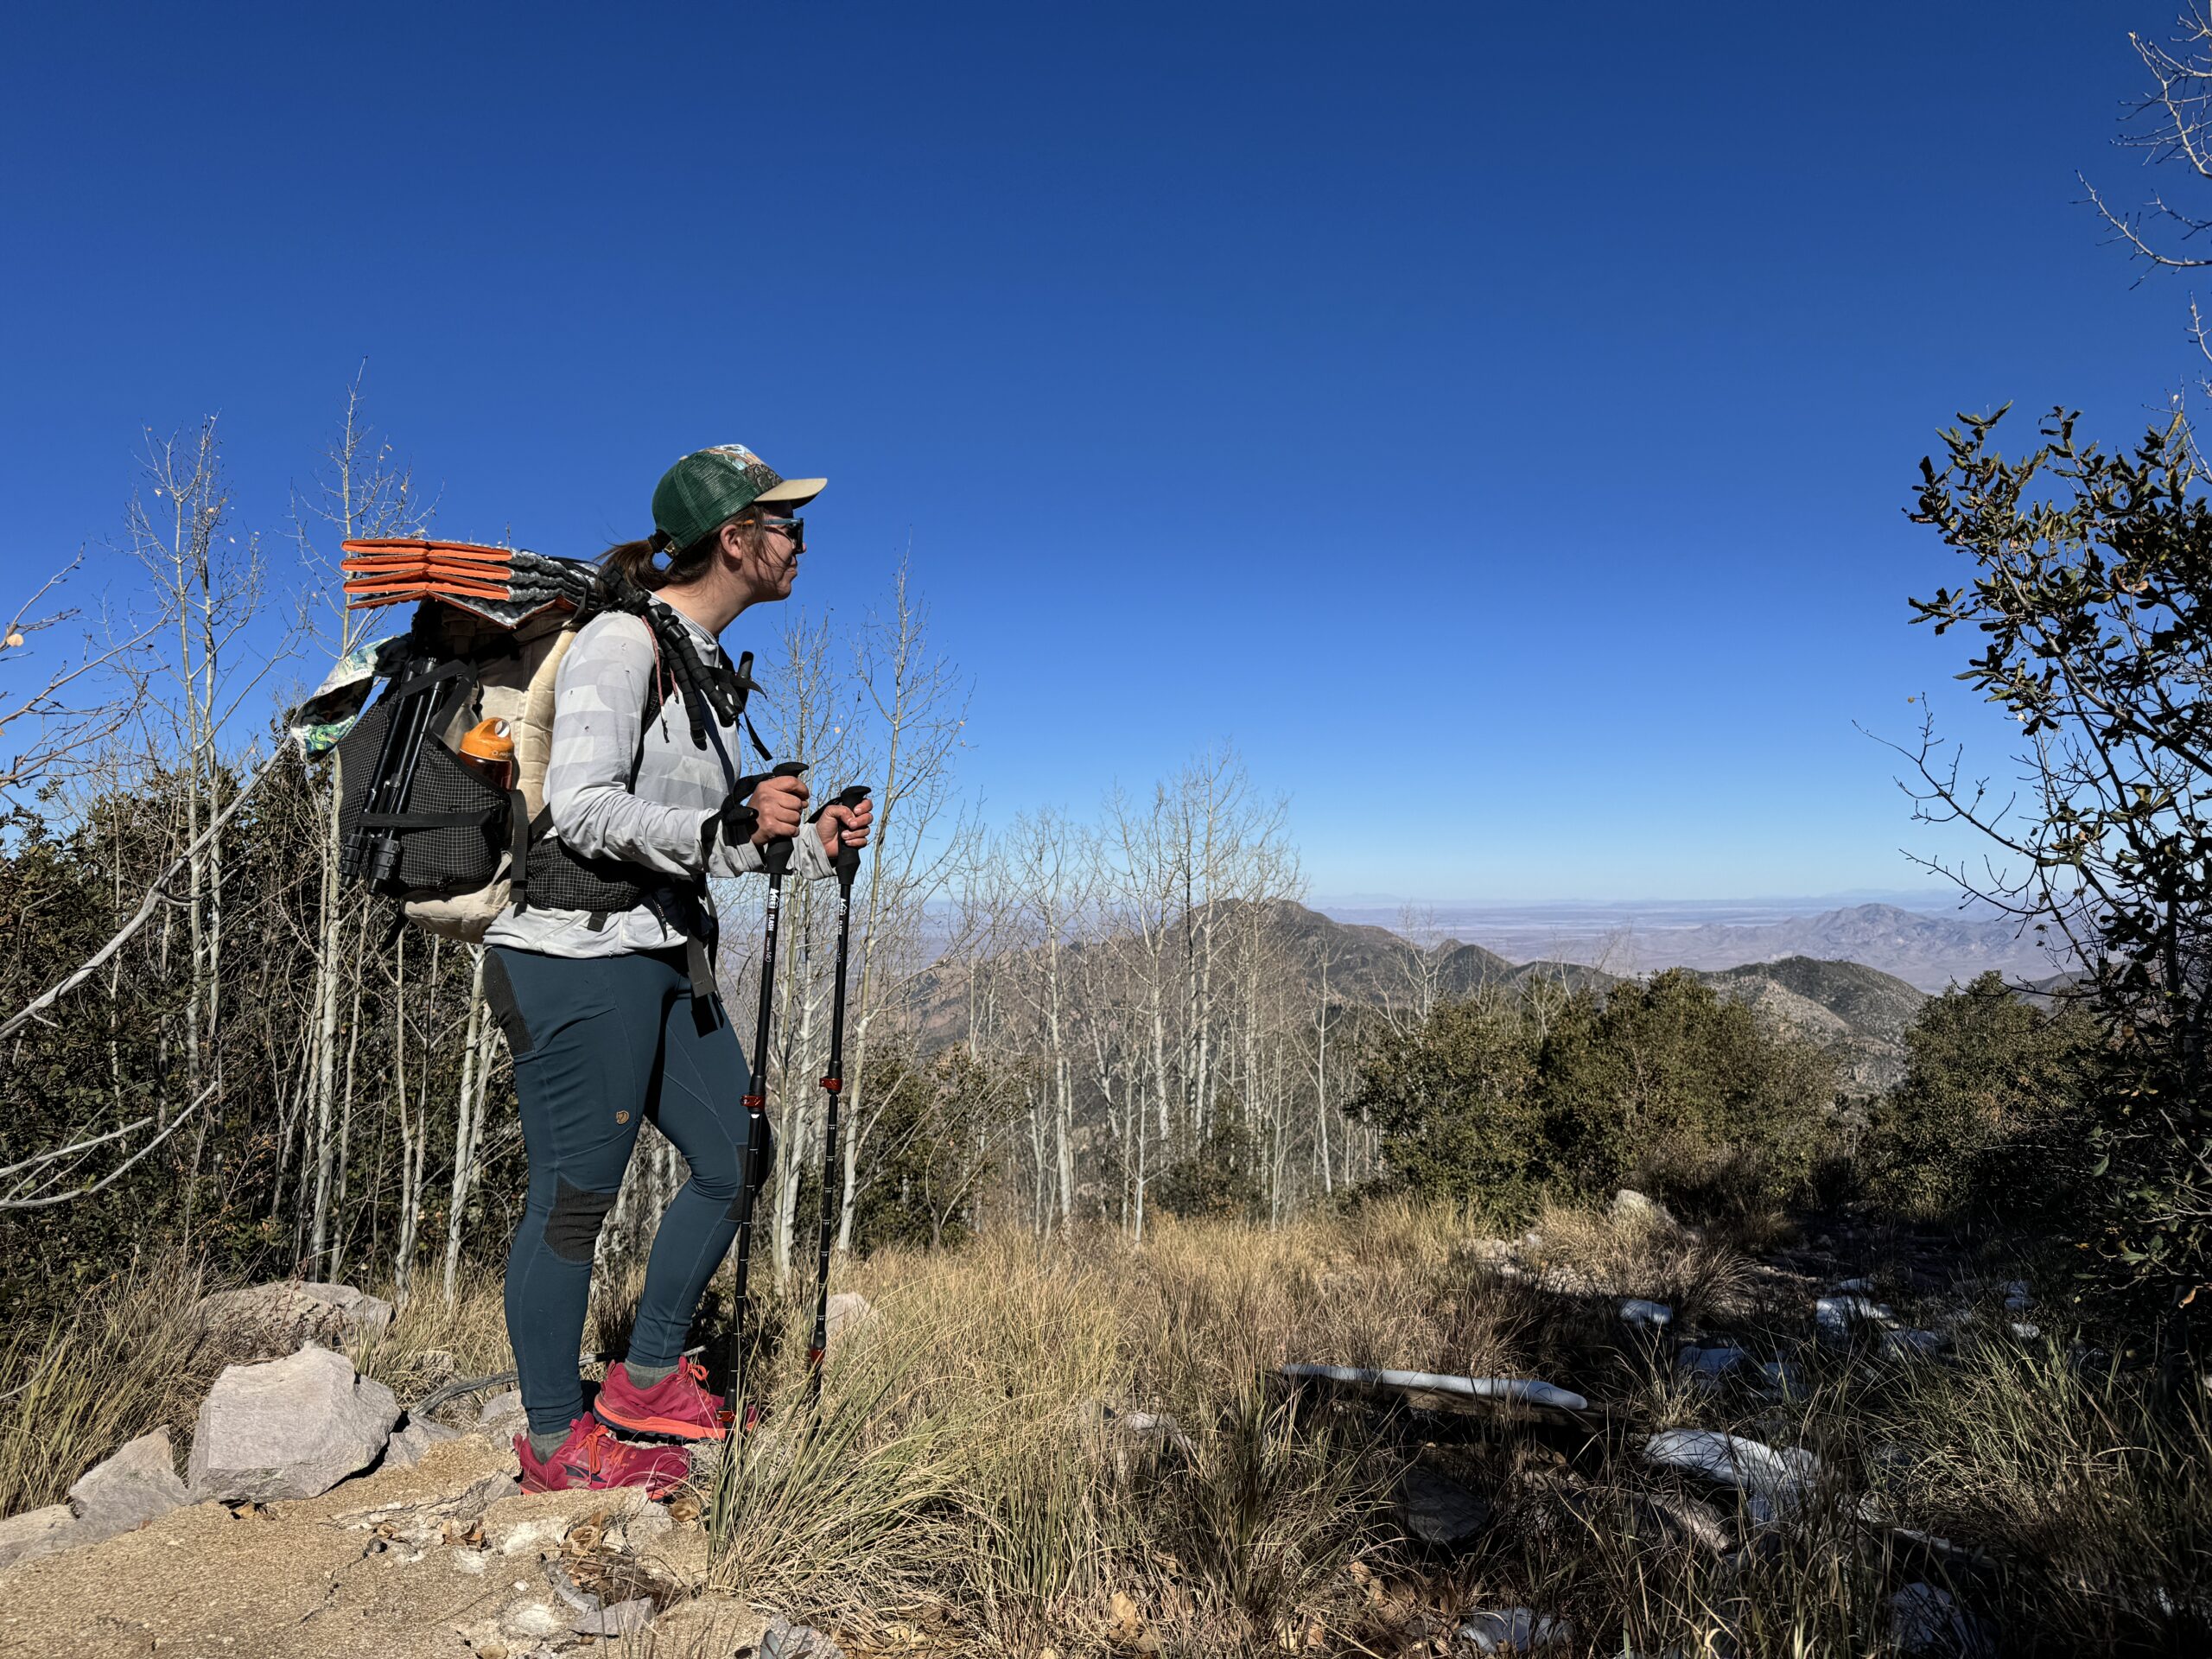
(708, 486)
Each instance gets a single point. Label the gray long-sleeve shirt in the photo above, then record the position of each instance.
(599, 696)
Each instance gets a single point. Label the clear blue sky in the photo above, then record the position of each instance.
(1495, 420)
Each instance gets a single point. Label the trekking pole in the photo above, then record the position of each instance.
(833, 1084)
(775, 859)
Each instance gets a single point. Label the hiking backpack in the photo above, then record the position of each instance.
(452, 842)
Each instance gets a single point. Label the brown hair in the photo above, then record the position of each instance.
(639, 561)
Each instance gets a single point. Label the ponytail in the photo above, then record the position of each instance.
(640, 561)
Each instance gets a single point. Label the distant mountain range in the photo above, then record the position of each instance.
(1858, 1011)
(1929, 951)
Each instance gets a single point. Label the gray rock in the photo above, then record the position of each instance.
(1514, 1390)
(1775, 1481)
(405, 1449)
(1927, 1619)
(1629, 1205)
(1438, 1510)
(35, 1533)
(534, 1618)
(2025, 1329)
(277, 1318)
(584, 1601)
(1709, 1365)
(785, 1640)
(1838, 1316)
(1848, 1286)
(292, 1427)
(2018, 1298)
(1643, 1315)
(849, 1313)
(1514, 1630)
(129, 1489)
(498, 1406)
(1914, 1345)
(623, 1618)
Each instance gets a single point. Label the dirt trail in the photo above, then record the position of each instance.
(318, 1579)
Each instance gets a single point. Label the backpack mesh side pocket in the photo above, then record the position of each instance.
(452, 826)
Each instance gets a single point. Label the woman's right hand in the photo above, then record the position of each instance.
(781, 803)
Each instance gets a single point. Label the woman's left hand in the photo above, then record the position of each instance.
(845, 826)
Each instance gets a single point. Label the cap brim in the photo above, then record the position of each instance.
(797, 492)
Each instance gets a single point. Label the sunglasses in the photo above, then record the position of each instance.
(793, 529)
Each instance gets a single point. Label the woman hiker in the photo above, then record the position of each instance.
(599, 978)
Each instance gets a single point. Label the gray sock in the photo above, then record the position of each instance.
(543, 1446)
(643, 1377)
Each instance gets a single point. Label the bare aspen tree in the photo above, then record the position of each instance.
(360, 490)
(1050, 886)
(810, 718)
(922, 836)
(1324, 955)
(56, 708)
(415, 1125)
(211, 588)
(477, 1048)
(1418, 986)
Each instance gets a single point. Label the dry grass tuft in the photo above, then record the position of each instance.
(1080, 1445)
(78, 1388)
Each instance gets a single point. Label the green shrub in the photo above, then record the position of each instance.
(1218, 1179)
(1509, 1100)
(1670, 1085)
(1989, 1123)
(1458, 1106)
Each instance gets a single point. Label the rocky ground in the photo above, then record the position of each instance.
(1700, 1413)
(329, 1523)
(443, 1561)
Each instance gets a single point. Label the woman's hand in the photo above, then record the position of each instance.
(781, 803)
(845, 826)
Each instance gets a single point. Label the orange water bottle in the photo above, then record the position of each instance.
(488, 748)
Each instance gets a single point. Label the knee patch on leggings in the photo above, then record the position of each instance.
(572, 1227)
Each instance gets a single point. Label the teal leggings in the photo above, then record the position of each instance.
(601, 1044)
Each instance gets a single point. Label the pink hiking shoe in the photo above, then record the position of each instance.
(591, 1458)
(678, 1408)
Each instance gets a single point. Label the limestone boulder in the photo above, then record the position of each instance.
(1775, 1482)
(405, 1449)
(1630, 1206)
(127, 1491)
(849, 1313)
(35, 1533)
(1514, 1630)
(290, 1428)
(263, 1322)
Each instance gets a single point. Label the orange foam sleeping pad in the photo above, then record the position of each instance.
(392, 570)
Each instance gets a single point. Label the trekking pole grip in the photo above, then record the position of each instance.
(776, 855)
(848, 861)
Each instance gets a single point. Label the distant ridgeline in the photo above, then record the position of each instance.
(1931, 950)
(1860, 1012)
